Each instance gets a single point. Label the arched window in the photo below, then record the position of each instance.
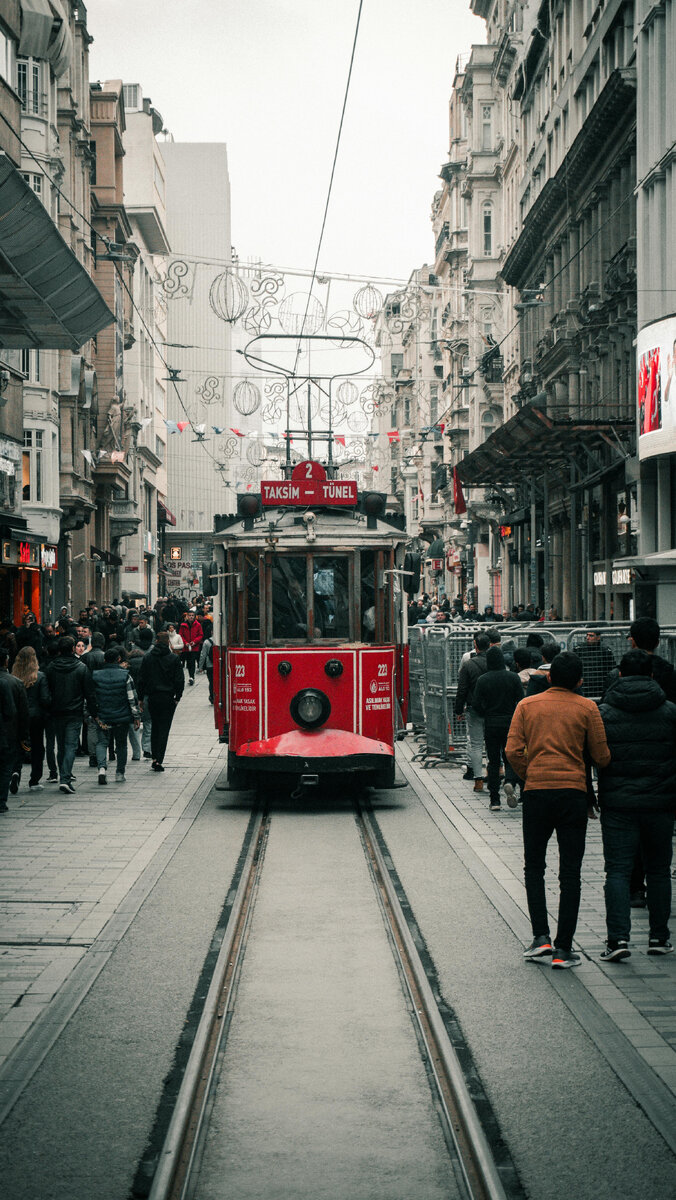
(487, 229)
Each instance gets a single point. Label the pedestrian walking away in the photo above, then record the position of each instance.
(467, 678)
(192, 636)
(18, 727)
(548, 740)
(161, 683)
(39, 702)
(115, 705)
(637, 796)
(70, 685)
(8, 724)
(496, 695)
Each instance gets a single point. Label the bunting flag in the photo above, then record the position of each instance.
(181, 425)
(458, 498)
(88, 455)
(102, 454)
(172, 427)
(375, 468)
(340, 438)
(287, 437)
(393, 436)
(199, 428)
(145, 422)
(117, 456)
(237, 432)
(374, 435)
(218, 428)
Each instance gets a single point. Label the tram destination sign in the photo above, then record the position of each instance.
(305, 493)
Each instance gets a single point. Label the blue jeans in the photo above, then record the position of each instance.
(67, 730)
(564, 811)
(624, 830)
(118, 735)
(475, 741)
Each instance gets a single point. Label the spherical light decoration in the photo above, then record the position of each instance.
(345, 322)
(347, 392)
(246, 397)
(228, 296)
(357, 422)
(255, 453)
(292, 314)
(368, 301)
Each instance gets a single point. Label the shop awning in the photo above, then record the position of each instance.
(532, 440)
(107, 557)
(436, 549)
(660, 558)
(164, 515)
(47, 299)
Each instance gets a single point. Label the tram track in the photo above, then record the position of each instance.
(472, 1171)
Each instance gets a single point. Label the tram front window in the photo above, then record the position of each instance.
(331, 591)
(289, 597)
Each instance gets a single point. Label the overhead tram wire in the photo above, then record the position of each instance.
(333, 171)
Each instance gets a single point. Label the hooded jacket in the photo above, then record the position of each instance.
(640, 725)
(467, 677)
(497, 692)
(161, 675)
(70, 684)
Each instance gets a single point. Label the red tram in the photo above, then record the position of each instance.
(310, 654)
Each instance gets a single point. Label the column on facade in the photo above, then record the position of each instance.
(566, 610)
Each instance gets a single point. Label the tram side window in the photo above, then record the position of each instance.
(253, 607)
(289, 597)
(331, 597)
(368, 596)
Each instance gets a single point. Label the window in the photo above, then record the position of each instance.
(30, 365)
(289, 597)
(6, 55)
(396, 364)
(31, 466)
(130, 92)
(34, 181)
(487, 230)
(486, 126)
(28, 81)
(159, 448)
(331, 590)
(7, 484)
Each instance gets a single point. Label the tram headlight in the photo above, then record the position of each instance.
(310, 708)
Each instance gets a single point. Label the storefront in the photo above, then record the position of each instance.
(613, 586)
(20, 576)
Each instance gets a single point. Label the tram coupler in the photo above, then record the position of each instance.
(304, 784)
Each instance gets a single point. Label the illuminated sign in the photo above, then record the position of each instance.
(175, 553)
(505, 531)
(600, 578)
(656, 388)
(48, 558)
(621, 576)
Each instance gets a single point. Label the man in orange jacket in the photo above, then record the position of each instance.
(549, 738)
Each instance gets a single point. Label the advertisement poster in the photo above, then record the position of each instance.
(656, 391)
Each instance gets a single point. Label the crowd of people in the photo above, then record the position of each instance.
(95, 687)
(427, 611)
(531, 711)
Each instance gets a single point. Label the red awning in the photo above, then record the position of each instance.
(164, 516)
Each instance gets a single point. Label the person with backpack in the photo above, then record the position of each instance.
(161, 683)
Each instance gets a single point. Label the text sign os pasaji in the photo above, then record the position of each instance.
(308, 492)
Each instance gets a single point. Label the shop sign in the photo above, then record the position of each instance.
(175, 553)
(437, 564)
(600, 578)
(48, 558)
(21, 554)
(128, 569)
(622, 576)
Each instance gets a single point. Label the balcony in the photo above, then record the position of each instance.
(123, 519)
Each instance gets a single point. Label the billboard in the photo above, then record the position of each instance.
(656, 392)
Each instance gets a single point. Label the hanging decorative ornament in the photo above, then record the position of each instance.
(345, 322)
(368, 301)
(228, 296)
(357, 422)
(246, 397)
(210, 389)
(348, 393)
(301, 311)
(255, 453)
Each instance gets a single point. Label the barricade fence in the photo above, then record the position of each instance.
(437, 653)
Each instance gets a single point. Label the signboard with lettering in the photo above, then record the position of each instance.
(304, 493)
(175, 553)
(49, 558)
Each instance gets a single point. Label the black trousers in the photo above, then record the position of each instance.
(563, 811)
(161, 709)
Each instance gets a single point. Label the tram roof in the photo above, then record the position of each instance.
(333, 529)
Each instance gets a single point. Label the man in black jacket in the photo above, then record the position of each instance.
(496, 695)
(637, 794)
(70, 684)
(16, 721)
(161, 684)
(467, 677)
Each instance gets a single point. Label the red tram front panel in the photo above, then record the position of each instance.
(308, 670)
(377, 697)
(245, 710)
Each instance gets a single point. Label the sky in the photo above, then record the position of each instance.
(268, 78)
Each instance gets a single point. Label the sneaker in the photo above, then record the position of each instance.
(103, 778)
(120, 777)
(469, 774)
(565, 958)
(510, 795)
(495, 806)
(540, 947)
(191, 682)
(147, 754)
(67, 788)
(637, 899)
(156, 766)
(478, 785)
(656, 946)
(14, 783)
(52, 778)
(35, 787)
(615, 950)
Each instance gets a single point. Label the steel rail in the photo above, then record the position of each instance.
(176, 1155)
(478, 1166)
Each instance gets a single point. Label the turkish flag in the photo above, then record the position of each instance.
(458, 498)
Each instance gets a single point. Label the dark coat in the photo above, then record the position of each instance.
(496, 695)
(110, 689)
(70, 684)
(161, 675)
(39, 698)
(18, 727)
(469, 673)
(640, 729)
